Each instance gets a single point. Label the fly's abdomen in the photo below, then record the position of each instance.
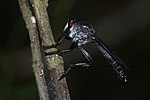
(118, 68)
(112, 58)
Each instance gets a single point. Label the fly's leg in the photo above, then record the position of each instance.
(86, 55)
(72, 66)
(73, 45)
(58, 42)
(61, 52)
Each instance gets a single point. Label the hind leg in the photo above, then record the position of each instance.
(72, 66)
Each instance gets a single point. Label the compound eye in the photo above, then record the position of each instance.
(71, 23)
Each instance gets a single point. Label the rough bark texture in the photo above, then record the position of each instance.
(37, 22)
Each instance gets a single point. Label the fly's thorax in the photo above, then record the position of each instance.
(81, 34)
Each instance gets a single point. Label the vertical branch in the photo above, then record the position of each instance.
(35, 48)
(58, 89)
(54, 90)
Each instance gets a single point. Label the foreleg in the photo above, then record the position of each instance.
(61, 52)
(58, 42)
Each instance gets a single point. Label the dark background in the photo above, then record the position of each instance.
(124, 25)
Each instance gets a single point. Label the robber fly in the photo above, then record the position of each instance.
(81, 33)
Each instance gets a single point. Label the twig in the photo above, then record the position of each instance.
(57, 89)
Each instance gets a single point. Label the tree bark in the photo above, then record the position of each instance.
(37, 22)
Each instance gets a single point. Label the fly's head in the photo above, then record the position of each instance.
(69, 25)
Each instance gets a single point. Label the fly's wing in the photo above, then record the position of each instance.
(112, 58)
